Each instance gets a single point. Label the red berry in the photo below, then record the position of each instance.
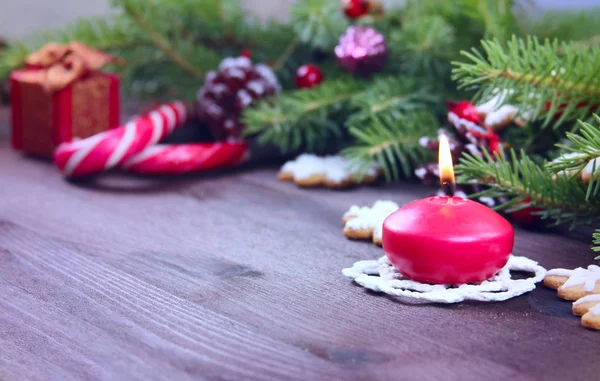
(524, 217)
(355, 8)
(465, 110)
(246, 53)
(308, 76)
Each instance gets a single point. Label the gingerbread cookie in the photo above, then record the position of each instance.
(591, 319)
(556, 278)
(583, 287)
(331, 171)
(367, 223)
(582, 282)
(583, 305)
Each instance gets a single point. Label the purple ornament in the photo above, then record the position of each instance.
(361, 51)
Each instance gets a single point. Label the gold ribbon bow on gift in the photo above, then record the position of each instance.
(60, 65)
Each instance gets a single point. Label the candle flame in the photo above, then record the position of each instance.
(445, 165)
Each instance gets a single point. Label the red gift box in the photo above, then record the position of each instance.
(41, 120)
(62, 95)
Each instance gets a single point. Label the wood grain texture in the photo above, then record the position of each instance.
(236, 276)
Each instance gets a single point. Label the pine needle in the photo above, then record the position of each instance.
(392, 141)
(519, 178)
(551, 87)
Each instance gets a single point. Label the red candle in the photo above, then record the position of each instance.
(447, 240)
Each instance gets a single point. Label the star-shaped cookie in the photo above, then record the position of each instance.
(583, 287)
(309, 170)
(367, 223)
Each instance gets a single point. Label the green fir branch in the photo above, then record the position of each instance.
(546, 85)
(424, 46)
(393, 96)
(308, 117)
(583, 148)
(318, 23)
(520, 178)
(472, 20)
(285, 56)
(301, 117)
(393, 142)
(497, 16)
(134, 11)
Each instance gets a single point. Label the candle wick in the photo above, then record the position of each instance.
(448, 188)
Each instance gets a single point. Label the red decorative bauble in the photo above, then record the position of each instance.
(525, 217)
(355, 8)
(465, 110)
(246, 53)
(308, 76)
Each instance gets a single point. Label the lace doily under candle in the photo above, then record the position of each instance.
(381, 276)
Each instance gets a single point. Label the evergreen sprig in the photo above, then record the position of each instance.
(392, 141)
(318, 23)
(497, 16)
(583, 148)
(549, 80)
(519, 178)
(302, 117)
(392, 96)
(424, 46)
(308, 117)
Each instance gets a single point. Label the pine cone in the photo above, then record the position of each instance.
(361, 51)
(464, 136)
(230, 90)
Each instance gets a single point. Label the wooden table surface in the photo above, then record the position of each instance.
(237, 276)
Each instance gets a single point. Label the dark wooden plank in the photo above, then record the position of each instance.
(238, 276)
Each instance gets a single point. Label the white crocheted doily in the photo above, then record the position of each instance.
(381, 276)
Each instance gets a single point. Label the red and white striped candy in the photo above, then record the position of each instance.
(114, 147)
(185, 158)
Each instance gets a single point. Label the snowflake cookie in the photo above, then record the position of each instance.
(367, 223)
(381, 276)
(582, 286)
(331, 171)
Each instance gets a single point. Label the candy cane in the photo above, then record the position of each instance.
(185, 158)
(114, 147)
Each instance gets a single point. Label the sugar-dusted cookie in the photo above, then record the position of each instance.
(367, 223)
(582, 282)
(331, 171)
(557, 277)
(583, 305)
(582, 286)
(591, 319)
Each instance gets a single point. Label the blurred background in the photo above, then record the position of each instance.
(19, 18)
